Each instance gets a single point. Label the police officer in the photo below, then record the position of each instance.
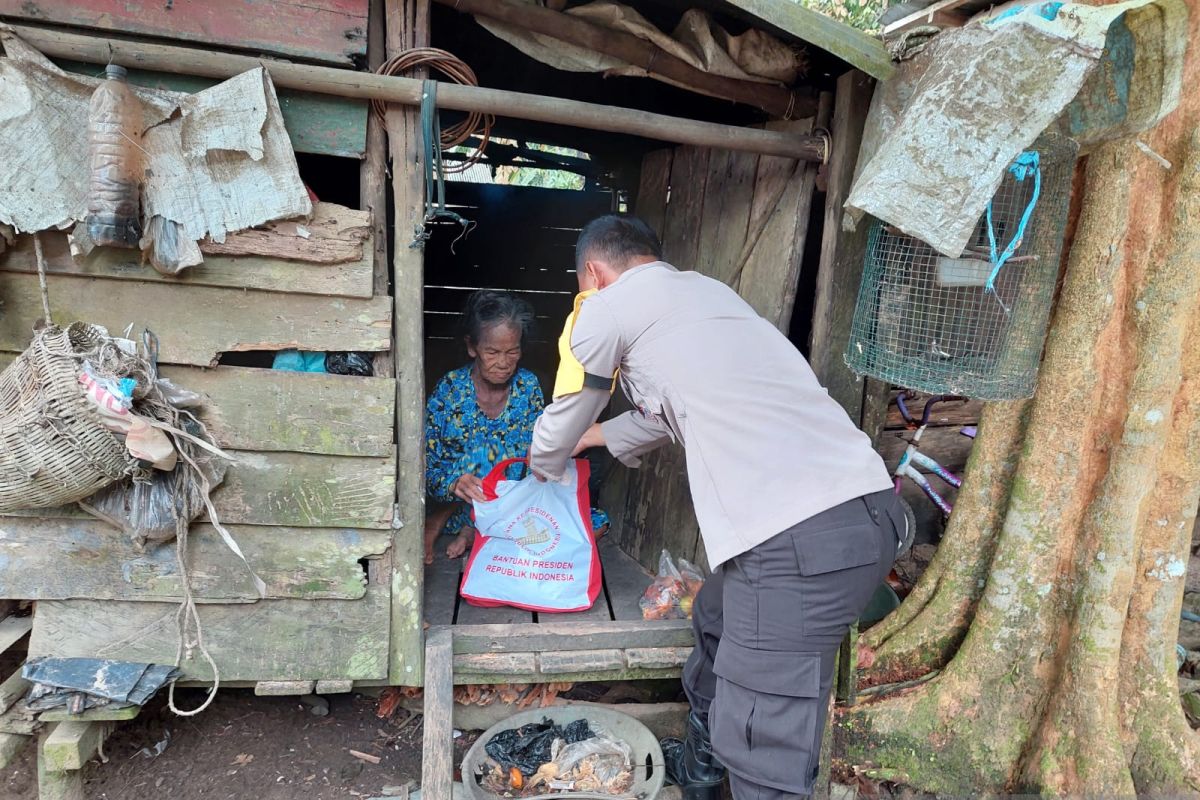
(795, 507)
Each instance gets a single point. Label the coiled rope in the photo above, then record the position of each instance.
(457, 70)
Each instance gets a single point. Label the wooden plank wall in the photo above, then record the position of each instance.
(325, 31)
(309, 495)
(523, 240)
(743, 219)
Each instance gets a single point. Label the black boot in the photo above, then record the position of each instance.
(692, 765)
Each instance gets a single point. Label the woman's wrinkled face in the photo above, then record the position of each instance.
(497, 353)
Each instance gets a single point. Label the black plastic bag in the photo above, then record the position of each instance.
(349, 364)
(529, 746)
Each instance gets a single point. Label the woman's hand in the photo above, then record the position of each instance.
(592, 437)
(468, 487)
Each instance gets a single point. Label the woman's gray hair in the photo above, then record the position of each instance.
(487, 307)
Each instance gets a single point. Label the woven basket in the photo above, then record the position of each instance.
(54, 448)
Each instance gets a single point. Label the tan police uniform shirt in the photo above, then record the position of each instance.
(766, 445)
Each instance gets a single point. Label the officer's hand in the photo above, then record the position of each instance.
(592, 437)
(468, 487)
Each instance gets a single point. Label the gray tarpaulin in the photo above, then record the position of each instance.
(989, 90)
(751, 56)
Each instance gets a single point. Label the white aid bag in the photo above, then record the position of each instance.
(534, 548)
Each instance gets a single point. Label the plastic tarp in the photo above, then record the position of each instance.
(120, 682)
(751, 56)
(218, 161)
(941, 145)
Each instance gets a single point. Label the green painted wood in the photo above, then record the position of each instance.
(285, 640)
(326, 31)
(348, 279)
(195, 324)
(274, 410)
(62, 559)
(317, 123)
(852, 46)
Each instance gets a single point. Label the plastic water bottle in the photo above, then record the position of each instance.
(115, 161)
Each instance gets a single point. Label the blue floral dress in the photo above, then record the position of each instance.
(461, 439)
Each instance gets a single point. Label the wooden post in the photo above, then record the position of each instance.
(437, 753)
(842, 253)
(56, 784)
(407, 91)
(838, 278)
(407, 27)
(372, 181)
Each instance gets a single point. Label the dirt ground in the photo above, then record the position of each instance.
(265, 748)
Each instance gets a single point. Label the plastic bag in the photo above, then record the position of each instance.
(609, 757)
(349, 364)
(674, 590)
(148, 511)
(528, 747)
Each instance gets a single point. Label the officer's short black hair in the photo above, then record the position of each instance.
(616, 239)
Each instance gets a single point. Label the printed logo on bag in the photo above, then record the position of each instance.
(541, 531)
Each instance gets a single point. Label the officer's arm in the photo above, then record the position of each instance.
(596, 344)
(559, 429)
(631, 436)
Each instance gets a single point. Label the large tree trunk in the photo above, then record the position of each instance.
(1049, 616)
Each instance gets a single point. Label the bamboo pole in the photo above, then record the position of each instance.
(407, 91)
(658, 63)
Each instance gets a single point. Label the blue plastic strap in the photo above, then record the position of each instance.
(1025, 165)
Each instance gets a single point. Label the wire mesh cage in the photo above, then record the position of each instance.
(972, 325)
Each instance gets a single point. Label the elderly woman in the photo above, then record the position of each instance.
(479, 415)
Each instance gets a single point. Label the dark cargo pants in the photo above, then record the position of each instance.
(768, 625)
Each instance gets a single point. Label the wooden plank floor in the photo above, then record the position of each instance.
(624, 582)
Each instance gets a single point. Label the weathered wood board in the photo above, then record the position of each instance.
(299, 489)
(625, 580)
(842, 253)
(196, 324)
(267, 640)
(955, 412)
(64, 559)
(327, 31)
(332, 235)
(442, 579)
(273, 410)
(316, 123)
(308, 490)
(347, 277)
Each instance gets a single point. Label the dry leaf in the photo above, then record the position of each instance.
(242, 759)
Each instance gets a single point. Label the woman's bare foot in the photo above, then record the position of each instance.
(434, 520)
(460, 543)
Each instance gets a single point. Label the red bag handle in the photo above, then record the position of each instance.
(497, 475)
